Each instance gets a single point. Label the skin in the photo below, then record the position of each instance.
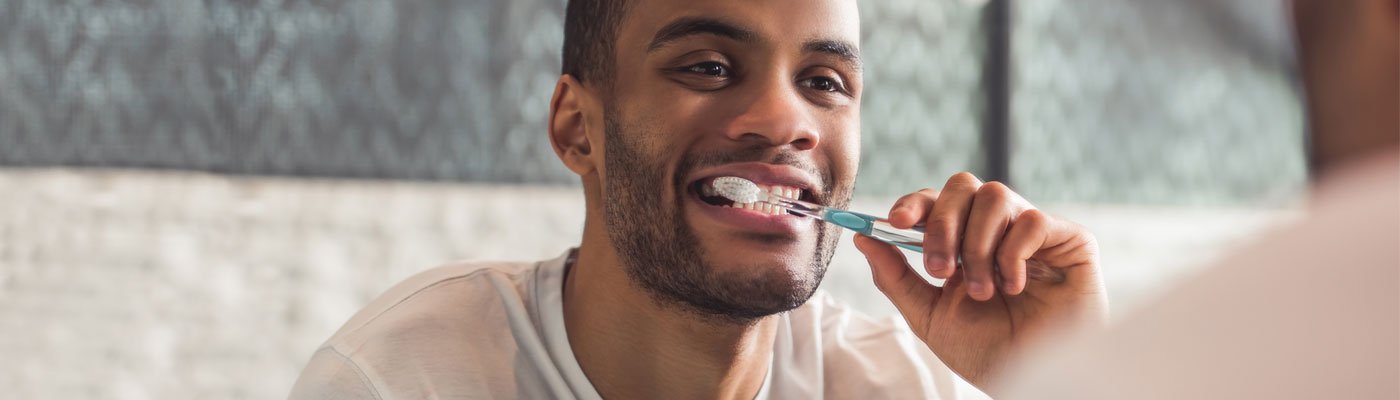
(990, 309)
(1349, 56)
(773, 93)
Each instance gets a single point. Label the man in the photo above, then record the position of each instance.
(672, 296)
(1310, 312)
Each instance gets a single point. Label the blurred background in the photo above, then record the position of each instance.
(195, 194)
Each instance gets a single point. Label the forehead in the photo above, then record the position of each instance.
(774, 21)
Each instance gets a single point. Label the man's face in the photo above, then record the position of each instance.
(764, 90)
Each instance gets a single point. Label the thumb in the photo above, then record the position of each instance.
(911, 294)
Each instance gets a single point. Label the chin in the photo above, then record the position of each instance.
(759, 253)
(785, 272)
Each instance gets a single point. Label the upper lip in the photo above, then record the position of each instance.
(764, 174)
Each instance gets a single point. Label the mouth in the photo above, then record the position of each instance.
(706, 192)
(757, 217)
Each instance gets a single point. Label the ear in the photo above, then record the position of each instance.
(568, 125)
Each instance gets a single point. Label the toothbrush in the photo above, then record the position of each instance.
(742, 190)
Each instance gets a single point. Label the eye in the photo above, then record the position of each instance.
(822, 83)
(710, 68)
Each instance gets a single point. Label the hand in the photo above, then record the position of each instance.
(1021, 272)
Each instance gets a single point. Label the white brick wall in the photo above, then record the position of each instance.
(136, 284)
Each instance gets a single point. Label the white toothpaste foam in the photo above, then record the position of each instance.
(737, 189)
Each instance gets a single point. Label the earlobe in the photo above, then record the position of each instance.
(568, 126)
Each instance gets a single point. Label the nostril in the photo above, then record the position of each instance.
(804, 143)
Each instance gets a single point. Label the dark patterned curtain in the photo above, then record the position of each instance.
(1109, 100)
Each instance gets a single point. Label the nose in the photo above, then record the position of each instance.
(778, 116)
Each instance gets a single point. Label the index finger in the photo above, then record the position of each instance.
(910, 209)
(943, 226)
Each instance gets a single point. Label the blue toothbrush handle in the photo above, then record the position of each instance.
(878, 228)
(908, 239)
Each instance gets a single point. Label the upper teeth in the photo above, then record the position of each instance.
(787, 192)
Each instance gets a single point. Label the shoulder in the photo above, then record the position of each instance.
(437, 291)
(331, 375)
(456, 295)
(451, 321)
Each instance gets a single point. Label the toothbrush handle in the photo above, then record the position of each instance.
(908, 239)
(878, 228)
(865, 224)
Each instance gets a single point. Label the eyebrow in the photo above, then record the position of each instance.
(841, 49)
(691, 26)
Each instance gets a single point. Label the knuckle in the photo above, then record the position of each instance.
(963, 180)
(912, 198)
(1035, 218)
(1091, 249)
(995, 191)
(906, 200)
(995, 186)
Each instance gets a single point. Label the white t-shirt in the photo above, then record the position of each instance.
(496, 330)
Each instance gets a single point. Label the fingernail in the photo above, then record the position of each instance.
(898, 210)
(975, 289)
(935, 263)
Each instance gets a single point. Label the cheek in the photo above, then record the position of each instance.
(850, 151)
(671, 118)
(683, 115)
(844, 151)
(655, 144)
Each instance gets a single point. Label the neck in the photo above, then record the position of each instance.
(631, 346)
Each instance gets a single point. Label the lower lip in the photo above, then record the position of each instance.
(753, 221)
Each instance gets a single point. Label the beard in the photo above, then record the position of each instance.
(661, 252)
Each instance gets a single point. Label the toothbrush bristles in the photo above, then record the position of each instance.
(736, 189)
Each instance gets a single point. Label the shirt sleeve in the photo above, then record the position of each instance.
(332, 375)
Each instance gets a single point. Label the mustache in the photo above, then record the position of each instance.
(756, 153)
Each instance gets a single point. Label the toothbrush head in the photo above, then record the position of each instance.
(738, 189)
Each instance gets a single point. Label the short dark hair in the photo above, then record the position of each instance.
(590, 38)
